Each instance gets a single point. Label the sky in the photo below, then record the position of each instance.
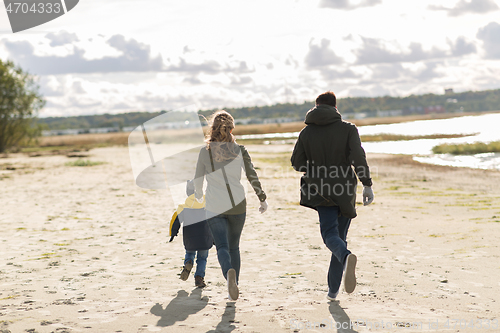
(115, 56)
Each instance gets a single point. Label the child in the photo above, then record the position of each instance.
(196, 235)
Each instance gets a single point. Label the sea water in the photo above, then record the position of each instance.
(480, 128)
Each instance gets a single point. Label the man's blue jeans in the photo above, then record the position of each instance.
(226, 230)
(201, 261)
(334, 229)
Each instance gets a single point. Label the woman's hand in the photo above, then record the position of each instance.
(263, 207)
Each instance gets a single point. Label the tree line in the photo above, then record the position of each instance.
(470, 101)
(20, 102)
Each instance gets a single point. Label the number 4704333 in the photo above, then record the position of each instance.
(485, 324)
(34, 8)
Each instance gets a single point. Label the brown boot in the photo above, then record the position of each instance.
(199, 281)
(186, 270)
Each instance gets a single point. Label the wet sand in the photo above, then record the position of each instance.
(85, 250)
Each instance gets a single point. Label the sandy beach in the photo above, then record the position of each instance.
(83, 249)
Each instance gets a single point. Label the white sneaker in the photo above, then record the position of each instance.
(350, 273)
(332, 297)
(232, 287)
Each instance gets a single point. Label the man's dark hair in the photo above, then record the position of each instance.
(327, 98)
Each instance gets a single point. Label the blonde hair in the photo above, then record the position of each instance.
(221, 123)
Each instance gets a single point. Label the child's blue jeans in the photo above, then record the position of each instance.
(201, 261)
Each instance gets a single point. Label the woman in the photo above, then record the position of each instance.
(221, 162)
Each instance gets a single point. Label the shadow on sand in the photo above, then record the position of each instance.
(227, 320)
(181, 307)
(342, 321)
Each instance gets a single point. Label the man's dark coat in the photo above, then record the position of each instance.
(326, 151)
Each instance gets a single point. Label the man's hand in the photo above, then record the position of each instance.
(263, 207)
(367, 195)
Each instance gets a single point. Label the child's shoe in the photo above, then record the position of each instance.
(199, 281)
(186, 270)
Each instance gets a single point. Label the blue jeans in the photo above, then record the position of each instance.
(201, 261)
(226, 230)
(334, 229)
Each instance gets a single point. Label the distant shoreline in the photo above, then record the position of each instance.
(121, 138)
(297, 126)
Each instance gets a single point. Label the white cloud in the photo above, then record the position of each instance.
(348, 4)
(490, 35)
(61, 38)
(468, 7)
(378, 51)
(208, 66)
(330, 74)
(321, 55)
(462, 47)
(425, 72)
(227, 53)
(135, 57)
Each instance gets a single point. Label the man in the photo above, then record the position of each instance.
(326, 151)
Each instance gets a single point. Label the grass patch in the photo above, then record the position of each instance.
(52, 149)
(82, 163)
(283, 161)
(87, 140)
(398, 137)
(268, 128)
(267, 141)
(69, 150)
(9, 297)
(47, 255)
(364, 138)
(467, 148)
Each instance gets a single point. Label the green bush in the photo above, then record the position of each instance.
(467, 148)
(82, 163)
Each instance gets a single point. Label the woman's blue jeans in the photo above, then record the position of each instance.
(226, 230)
(201, 261)
(334, 229)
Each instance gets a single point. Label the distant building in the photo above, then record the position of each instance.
(435, 109)
(280, 120)
(244, 121)
(413, 110)
(389, 113)
(448, 91)
(62, 132)
(360, 115)
(256, 121)
(103, 130)
(369, 113)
